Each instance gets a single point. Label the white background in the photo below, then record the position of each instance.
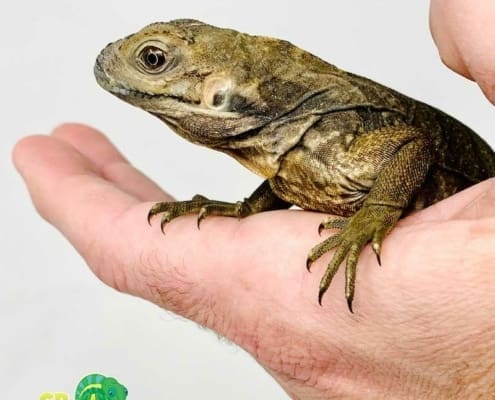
(58, 322)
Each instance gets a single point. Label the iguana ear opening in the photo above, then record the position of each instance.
(217, 93)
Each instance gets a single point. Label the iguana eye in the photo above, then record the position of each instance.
(153, 59)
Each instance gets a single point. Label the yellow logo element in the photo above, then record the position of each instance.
(54, 396)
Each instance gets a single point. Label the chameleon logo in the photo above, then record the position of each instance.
(99, 387)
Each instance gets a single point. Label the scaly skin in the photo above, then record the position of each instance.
(323, 139)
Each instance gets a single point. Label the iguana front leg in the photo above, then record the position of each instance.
(390, 194)
(263, 199)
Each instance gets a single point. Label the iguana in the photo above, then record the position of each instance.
(324, 139)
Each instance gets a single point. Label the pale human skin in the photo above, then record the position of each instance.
(463, 32)
(423, 325)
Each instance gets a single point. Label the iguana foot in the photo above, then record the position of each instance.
(370, 224)
(199, 204)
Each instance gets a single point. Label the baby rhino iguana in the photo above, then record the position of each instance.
(323, 139)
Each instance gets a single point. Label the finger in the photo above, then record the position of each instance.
(442, 36)
(110, 163)
(90, 142)
(463, 32)
(68, 192)
(53, 170)
(65, 186)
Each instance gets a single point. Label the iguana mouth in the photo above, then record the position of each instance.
(128, 92)
(120, 90)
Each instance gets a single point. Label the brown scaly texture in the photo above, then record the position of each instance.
(324, 139)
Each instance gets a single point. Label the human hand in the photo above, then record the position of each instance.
(464, 33)
(423, 325)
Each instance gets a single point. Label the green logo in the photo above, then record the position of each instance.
(99, 387)
(93, 387)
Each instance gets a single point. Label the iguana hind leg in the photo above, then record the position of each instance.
(390, 194)
(263, 199)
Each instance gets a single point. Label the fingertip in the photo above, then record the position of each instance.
(24, 148)
(41, 158)
(19, 149)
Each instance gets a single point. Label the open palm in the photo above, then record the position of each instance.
(423, 325)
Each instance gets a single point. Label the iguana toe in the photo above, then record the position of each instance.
(322, 248)
(333, 222)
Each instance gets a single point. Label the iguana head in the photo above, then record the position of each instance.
(209, 84)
